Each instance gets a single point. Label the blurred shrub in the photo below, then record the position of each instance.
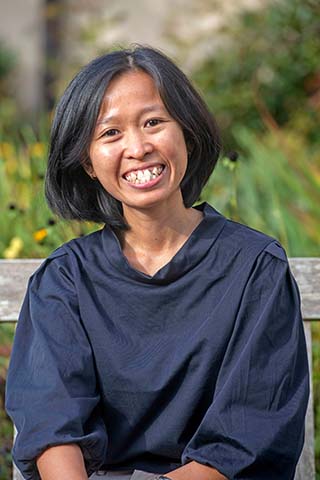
(264, 88)
(274, 186)
(269, 73)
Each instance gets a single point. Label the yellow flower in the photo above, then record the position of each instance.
(37, 150)
(16, 243)
(7, 150)
(40, 235)
(15, 247)
(9, 156)
(11, 165)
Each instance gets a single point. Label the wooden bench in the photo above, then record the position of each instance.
(15, 273)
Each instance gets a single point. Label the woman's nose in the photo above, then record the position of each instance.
(137, 145)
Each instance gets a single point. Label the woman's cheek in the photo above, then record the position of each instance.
(103, 157)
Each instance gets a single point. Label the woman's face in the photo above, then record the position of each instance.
(138, 151)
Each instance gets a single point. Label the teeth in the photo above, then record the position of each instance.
(148, 175)
(144, 176)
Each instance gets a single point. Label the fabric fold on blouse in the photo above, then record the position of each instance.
(206, 360)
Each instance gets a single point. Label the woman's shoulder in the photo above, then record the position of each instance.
(66, 257)
(241, 240)
(85, 243)
(250, 237)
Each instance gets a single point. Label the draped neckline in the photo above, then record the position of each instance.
(185, 259)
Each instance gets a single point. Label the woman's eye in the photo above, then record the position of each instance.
(111, 133)
(153, 122)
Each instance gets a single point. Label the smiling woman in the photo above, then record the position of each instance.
(138, 152)
(168, 344)
(85, 114)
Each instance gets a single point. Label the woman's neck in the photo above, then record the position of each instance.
(156, 235)
(159, 229)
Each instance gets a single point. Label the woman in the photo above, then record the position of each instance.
(169, 344)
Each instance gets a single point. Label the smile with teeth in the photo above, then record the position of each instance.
(144, 176)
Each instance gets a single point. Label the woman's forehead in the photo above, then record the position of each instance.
(133, 89)
(130, 81)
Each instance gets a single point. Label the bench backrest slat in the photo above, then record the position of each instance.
(14, 276)
(307, 274)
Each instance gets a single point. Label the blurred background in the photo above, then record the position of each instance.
(256, 62)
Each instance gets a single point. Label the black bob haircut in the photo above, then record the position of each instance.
(70, 191)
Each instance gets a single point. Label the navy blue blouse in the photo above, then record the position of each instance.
(205, 360)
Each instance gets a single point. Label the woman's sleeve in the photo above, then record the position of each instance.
(254, 428)
(51, 394)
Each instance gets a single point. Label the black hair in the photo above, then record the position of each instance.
(70, 191)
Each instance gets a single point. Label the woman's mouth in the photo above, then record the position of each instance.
(147, 176)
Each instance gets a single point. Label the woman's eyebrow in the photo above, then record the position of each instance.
(149, 108)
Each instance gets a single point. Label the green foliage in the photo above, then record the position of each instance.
(273, 187)
(28, 228)
(270, 75)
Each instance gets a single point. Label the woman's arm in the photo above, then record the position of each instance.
(64, 462)
(52, 392)
(254, 426)
(195, 471)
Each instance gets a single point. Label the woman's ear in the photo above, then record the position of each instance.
(88, 168)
